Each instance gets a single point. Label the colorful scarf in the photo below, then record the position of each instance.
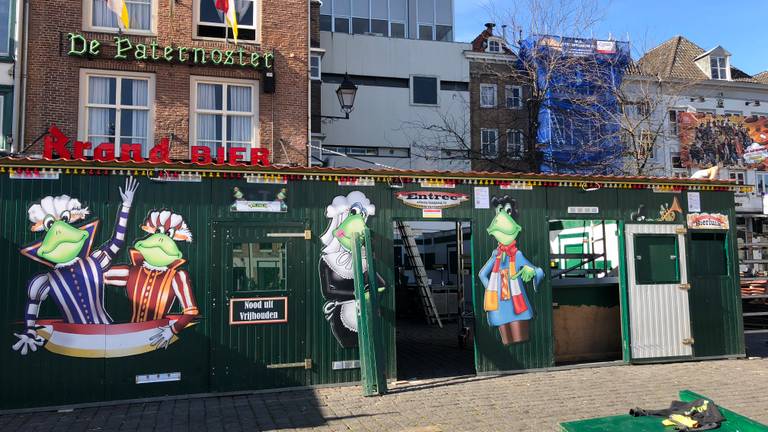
(509, 288)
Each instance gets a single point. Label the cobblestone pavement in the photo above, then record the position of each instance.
(527, 402)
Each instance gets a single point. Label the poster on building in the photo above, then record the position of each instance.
(727, 140)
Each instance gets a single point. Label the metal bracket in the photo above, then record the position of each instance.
(306, 364)
(688, 341)
(306, 235)
(680, 230)
(684, 286)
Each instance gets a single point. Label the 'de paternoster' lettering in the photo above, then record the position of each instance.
(125, 49)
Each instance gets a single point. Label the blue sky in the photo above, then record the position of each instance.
(739, 26)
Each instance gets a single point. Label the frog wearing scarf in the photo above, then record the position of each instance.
(505, 274)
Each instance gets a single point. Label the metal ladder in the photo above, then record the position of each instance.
(414, 259)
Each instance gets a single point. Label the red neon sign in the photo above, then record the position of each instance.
(55, 147)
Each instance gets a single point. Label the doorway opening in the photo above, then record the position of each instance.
(433, 299)
(584, 270)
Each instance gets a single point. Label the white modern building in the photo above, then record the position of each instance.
(10, 73)
(411, 109)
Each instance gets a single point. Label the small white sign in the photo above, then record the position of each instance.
(583, 210)
(158, 377)
(258, 206)
(482, 198)
(765, 204)
(694, 202)
(429, 213)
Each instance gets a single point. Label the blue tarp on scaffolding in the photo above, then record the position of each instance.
(579, 115)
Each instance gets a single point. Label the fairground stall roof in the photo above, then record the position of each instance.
(28, 167)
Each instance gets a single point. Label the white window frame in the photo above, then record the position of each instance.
(761, 182)
(495, 95)
(194, 80)
(3, 138)
(507, 90)
(411, 90)
(739, 176)
(521, 146)
(673, 126)
(498, 45)
(319, 57)
(82, 129)
(256, 27)
(495, 143)
(721, 68)
(88, 20)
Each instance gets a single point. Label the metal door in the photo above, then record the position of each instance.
(259, 304)
(659, 318)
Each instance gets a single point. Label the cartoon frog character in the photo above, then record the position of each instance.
(505, 274)
(76, 281)
(348, 216)
(154, 280)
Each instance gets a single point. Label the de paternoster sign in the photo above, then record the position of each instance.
(126, 49)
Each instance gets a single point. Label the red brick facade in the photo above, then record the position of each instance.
(53, 79)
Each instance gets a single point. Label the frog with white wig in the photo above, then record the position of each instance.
(348, 216)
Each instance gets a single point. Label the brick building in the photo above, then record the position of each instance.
(499, 116)
(193, 84)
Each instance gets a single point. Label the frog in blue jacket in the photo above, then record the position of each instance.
(505, 274)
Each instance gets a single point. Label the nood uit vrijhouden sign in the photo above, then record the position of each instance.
(126, 49)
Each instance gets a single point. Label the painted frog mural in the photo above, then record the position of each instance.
(75, 282)
(505, 274)
(348, 216)
(154, 280)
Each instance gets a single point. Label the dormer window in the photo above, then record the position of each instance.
(718, 68)
(494, 46)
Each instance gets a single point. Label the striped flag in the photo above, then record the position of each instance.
(121, 10)
(230, 14)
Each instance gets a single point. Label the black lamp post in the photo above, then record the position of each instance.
(346, 93)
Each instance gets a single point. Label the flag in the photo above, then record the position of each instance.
(121, 10)
(230, 14)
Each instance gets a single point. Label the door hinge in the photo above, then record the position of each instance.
(306, 364)
(684, 286)
(688, 341)
(680, 230)
(306, 235)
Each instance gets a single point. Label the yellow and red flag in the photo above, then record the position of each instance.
(230, 14)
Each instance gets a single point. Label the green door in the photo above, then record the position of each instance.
(259, 307)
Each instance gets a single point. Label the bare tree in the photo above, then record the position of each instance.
(573, 96)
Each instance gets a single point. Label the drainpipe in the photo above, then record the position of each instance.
(20, 78)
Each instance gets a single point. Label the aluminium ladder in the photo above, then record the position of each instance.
(414, 259)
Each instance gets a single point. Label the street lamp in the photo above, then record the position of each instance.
(346, 93)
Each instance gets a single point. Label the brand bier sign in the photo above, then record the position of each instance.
(431, 199)
(55, 147)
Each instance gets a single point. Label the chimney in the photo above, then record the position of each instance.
(489, 28)
(504, 32)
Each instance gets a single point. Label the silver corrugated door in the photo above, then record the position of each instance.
(659, 317)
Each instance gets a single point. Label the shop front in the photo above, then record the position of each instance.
(139, 279)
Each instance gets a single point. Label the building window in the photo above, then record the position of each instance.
(424, 90)
(224, 113)
(675, 159)
(738, 176)
(494, 46)
(733, 113)
(210, 23)
(259, 266)
(397, 30)
(672, 116)
(489, 140)
(117, 107)
(515, 144)
(5, 28)
(718, 68)
(488, 95)
(761, 182)
(98, 16)
(315, 70)
(514, 96)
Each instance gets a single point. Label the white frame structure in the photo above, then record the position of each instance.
(495, 90)
(495, 143)
(256, 27)
(193, 111)
(88, 20)
(82, 122)
(507, 90)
